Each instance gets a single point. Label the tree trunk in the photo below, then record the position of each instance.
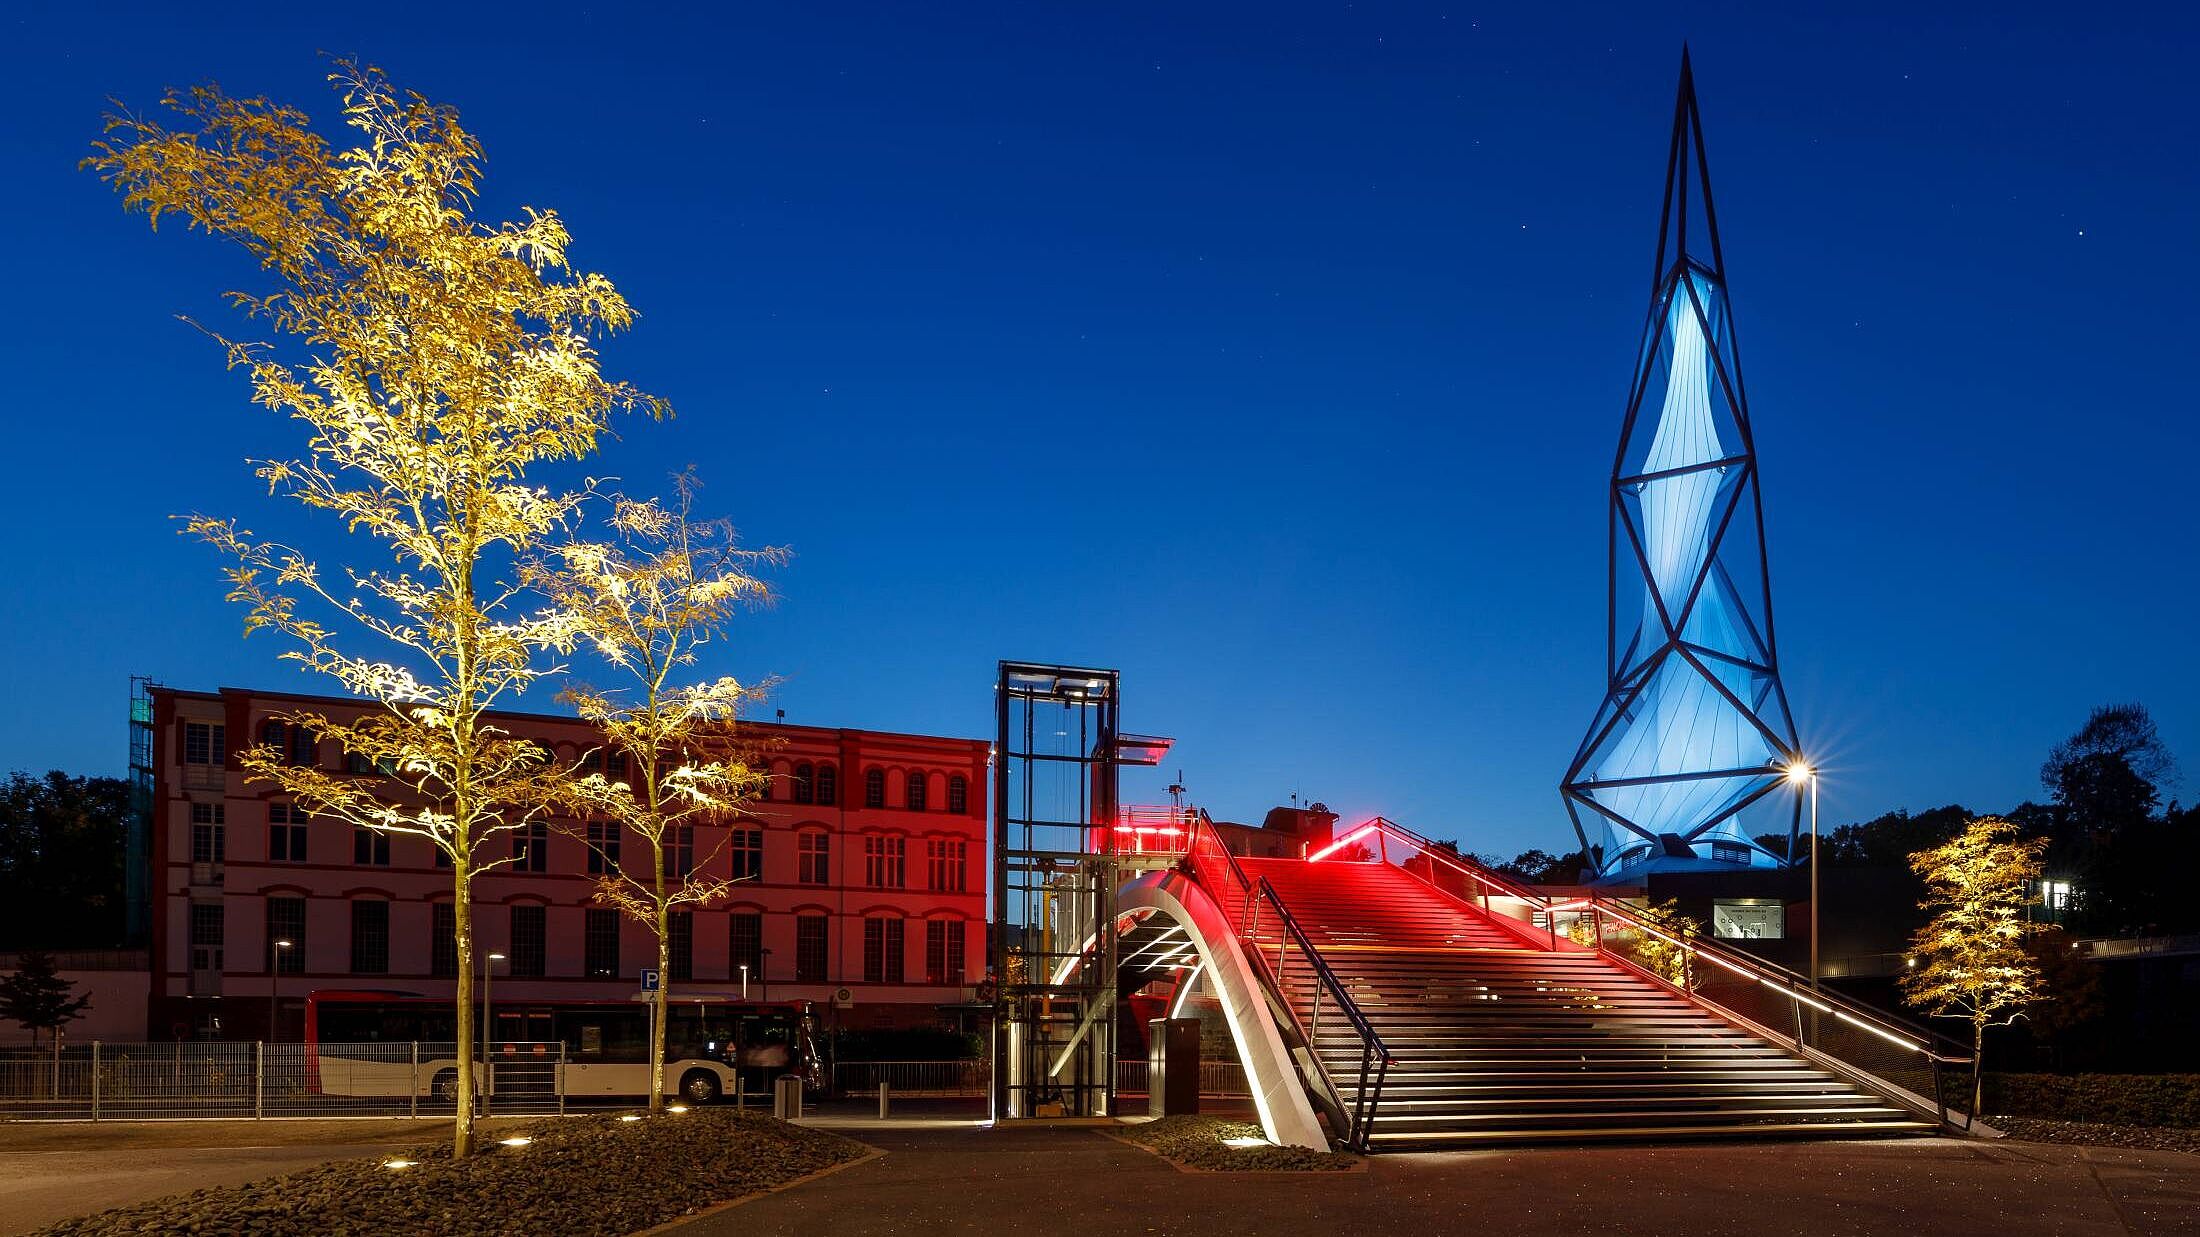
(1978, 1067)
(659, 1005)
(462, 925)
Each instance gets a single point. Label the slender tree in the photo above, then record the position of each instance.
(646, 599)
(1971, 957)
(433, 360)
(36, 998)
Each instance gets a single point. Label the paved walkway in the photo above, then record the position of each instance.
(1056, 1180)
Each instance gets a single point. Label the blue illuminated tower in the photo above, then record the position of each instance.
(1681, 764)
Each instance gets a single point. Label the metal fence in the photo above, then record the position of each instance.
(150, 1081)
(944, 1079)
(1216, 1078)
(916, 1079)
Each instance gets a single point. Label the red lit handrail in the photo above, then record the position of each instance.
(1466, 865)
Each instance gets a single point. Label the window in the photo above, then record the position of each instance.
(370, 848)
(914, 796)
(874, 788)
(443, 939)
(747, 848)
(203, 743)
(286, 921)
(286, 833)
(1729, 852)
(885, 861)
(745, 944)
(600, 943)
(882, 950)
(813, 851)
(603, 847)
(358, 765)
(1757, 919)
(680, 945)
(370, 936)
(206, 936)
(943, 951)
(946, 862)
(828, 785)
(527, 941)
(209, 835)
(958, 795)
(805, 789)
(680, 859)
(810, 952)
(531, 847)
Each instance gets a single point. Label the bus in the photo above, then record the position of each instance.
(362, 1044)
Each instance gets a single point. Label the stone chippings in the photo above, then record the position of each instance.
(1196, 1142)
(2098, 1134)
(580, 1175)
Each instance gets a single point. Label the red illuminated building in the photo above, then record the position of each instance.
(864, 892)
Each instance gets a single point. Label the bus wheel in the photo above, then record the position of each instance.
(446, 1086)
(699, 1087)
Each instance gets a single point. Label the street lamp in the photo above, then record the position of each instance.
(274, 969)
(1798, 773)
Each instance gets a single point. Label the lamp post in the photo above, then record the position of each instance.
(274, 969)
(488, 1022)
(1798, 773)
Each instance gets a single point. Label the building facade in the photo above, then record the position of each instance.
(861, 882)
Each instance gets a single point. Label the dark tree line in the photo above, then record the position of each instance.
(62, 856)
(2111, 831)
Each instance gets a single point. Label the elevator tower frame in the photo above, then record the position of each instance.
(1056, 763)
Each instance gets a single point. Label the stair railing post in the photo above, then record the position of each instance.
(1317, 1029)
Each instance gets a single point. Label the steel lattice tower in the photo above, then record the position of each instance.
(1694, 732)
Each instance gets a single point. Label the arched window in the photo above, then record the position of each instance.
(804, 788)
(874, 788)
(828, 785)
(915, 795)
(958, 794)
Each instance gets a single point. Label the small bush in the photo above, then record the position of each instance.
(2171, 1100)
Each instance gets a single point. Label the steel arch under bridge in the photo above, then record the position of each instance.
(1165, 917)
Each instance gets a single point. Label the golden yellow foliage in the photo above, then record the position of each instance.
(645, 599)
(1971, 961)
(432, 361)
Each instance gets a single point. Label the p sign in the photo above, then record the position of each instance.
(649, 981)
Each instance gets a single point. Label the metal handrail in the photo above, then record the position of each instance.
(1375, 1058)
(1473, 869)
(1467, 865)
(1791, 984)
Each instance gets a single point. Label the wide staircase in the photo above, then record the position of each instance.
(1494, 1038)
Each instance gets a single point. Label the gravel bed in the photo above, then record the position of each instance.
(2098, 1134)
(579, 1175)
(1196, 1142)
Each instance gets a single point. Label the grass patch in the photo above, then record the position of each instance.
(2171, 1100)
(1197, 1142)
(582, 1175)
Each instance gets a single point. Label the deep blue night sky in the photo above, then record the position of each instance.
(1274, 354)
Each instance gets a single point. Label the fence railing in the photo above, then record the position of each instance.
(1221, 1079)
(916, 1079)
(1903, 1061)
(100, 1081)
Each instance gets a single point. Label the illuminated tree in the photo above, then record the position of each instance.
(646, 599)
(1971, 958)
(433, 360)
(1674, 960)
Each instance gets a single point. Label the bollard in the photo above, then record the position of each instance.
(95, 1080)
(259, 1079)
(882, 1093)
(787, 1097)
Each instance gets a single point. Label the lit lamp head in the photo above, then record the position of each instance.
(1799, 772)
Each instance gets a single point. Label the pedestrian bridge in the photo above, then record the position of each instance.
(1400, 995)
